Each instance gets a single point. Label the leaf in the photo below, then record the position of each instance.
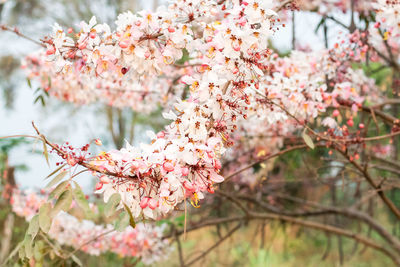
(76, 260)
(38, 251)
(44, 217)
(307, 139)
(131, 219)
(27, 246)
(81, 200)
(55, 171)
(45, 152)
(21, 250)
(59, 189)
(33, 228)
(322, 21)
(123, 222)
(63, 202)
(29, 82)
(112, 204)
(56, 179)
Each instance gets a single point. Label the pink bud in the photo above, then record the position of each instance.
(361, 126)
(99, 186)
(335, 113)
(217, 164)
(144, 202)
(184, 171)
(105, 180)
(210, 189)
(147, 54)
(71, 161)
(161, 134)
(188, 186)
(98, 142)
(153, 203)
(171, 29)
(82, 46)
(92, 35)
(350, 122)
(70, 30)
(124, 43)
(168, 166)
(51, 50)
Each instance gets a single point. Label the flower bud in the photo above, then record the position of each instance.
(144, 202)
(105, 180)
(161, 134)
(335, 113)
(99, 186)
(50, 51)
(350, 122)
(98, 142)
(153, 203)
(168, 166)
(71, 161)
(188, 186)
(124, 43)
(217, 164)
(185, 171)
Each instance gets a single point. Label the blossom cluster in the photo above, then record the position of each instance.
(230, 80)
(388, 17)
(144, 241)
(142, 94)
(230, 40)
(327, 6)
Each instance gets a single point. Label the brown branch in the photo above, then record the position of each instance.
(370, 180)
(231, 232)
(324, 210)
(227, 178)
(331, 229)
(83, 164)
(17, 32)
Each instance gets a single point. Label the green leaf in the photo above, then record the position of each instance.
(45, 152)
(56, 179)
(28, 246)
(29, 82)
(55, 171)
(76, 260)
(112, 204)
(307, 139)
(44, 217)
(38, 251)
(63, 202)
(21, 250)
(59, 189)
(33, 228)
(81, 200)
(131, 219)
(123, 222)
